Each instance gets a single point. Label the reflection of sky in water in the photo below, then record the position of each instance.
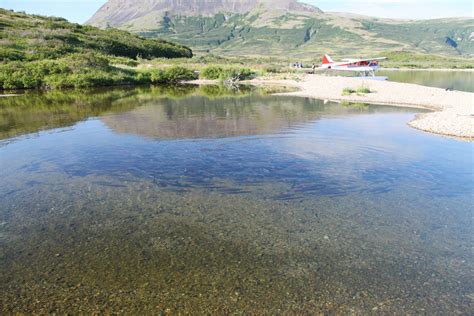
(333, 156)
(296, 197)
(381, 149)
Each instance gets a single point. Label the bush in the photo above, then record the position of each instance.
(363, 90)
(348, 91)
(221, 73)
(123, 61)
(73, 71)
(359, 91)
(28, 75)
(171, 75)
(212, 72)
(10, 54)
(80, 62)
(273, 70)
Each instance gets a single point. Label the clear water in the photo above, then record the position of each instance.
(213, 201)
(453, 80)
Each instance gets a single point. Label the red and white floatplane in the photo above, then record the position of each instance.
(366, 68)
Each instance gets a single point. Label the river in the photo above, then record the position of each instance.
(214, 201)
(453, 80)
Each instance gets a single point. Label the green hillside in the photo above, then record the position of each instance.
(285, 32)
(47, 52)
(282, 36)
(30, 37)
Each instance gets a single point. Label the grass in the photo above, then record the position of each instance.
(347, 92)
(26, 37)
(359, 91)
(48, 53)
(226, 73)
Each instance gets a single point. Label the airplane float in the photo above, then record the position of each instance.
(365, 67)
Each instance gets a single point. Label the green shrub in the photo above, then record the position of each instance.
(273, 70)
(10, 54)
(172, 75)
(221, 73)
(212, 72)
(348, 91)
(239, 74)
(72, 71)
(80, 62)
(363, 90)
(359, 91)
(123, 61)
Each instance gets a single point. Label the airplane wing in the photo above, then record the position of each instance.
(365, 59)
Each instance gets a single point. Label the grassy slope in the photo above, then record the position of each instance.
(30, 37)
(42, 52)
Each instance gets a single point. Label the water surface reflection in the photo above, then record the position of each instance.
(215, 201)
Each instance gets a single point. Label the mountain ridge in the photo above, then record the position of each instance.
(282, 27)
(121, 11)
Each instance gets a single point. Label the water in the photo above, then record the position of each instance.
(453, 80)
(214, 201)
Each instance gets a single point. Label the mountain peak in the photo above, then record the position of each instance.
(119, 12)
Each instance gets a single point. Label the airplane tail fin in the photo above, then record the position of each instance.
(327, 59)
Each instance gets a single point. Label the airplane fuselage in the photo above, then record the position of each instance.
(355, 66)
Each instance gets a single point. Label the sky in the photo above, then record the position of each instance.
(80, 11)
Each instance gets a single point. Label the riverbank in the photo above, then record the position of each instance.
(453, 111)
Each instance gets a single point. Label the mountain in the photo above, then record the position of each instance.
(128, 12)
(282, 28)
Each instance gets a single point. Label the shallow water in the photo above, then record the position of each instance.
(453, 80)
(209, 201)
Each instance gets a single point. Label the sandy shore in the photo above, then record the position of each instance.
(453, 111)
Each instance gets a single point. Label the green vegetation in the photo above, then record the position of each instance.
(347, 92)
(47, 53)
(360, 91)
(31, 37)
(172, 75)
(75, 70)
(358, 105)
(225, 73)
(363, 90)
(35, 110)
(291, 33)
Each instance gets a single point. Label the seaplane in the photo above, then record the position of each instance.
(366, 68)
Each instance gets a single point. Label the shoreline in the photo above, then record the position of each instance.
(452, 112)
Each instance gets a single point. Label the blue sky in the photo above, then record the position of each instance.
(80, 10)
